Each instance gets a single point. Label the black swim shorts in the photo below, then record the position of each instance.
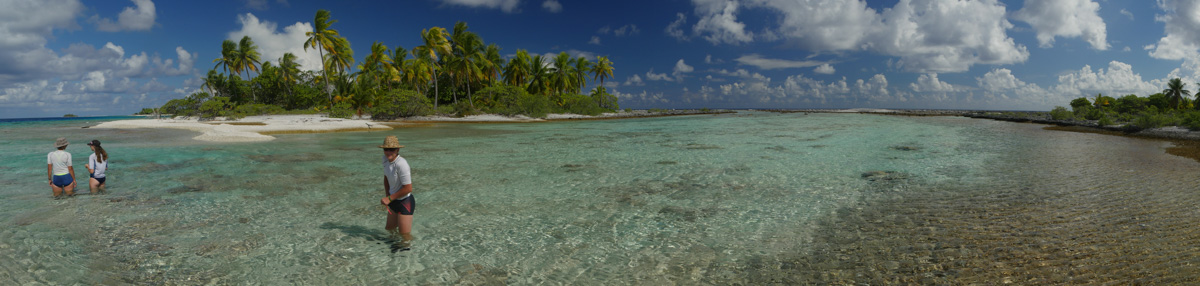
(404, 206)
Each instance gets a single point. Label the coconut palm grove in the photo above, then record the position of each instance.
(453, 72)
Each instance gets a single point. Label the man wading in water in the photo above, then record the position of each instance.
(397, 188)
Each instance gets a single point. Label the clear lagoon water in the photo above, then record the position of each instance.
(745, 198)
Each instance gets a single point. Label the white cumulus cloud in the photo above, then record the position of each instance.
(718, 21)
(138, 18)
(1066, 18)
(1182, 38)
(824, 69)
(273, 43)
(675, 29)
(927, 35)
(1119, 79)
(552, 6)
(650, 75)
(770, 64)
(930, 83)
(634, 80)
(508, 6)
(680, 69)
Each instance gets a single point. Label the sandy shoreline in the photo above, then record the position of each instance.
(260, 128)
(251, 128)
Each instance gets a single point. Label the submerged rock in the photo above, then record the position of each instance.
(185, 189)
(694, 146)
(884, 176)
(905, 148)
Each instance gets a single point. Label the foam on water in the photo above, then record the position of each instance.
(741, 198)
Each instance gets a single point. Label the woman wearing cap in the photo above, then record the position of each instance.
(97, 165)
(59, 171)
(397, 187)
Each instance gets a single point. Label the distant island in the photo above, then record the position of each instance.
(452, 73)
(69, 115)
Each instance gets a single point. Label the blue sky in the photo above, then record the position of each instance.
(116, 57)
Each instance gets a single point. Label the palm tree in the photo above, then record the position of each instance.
(288, 71)
(211, 82)
(561, 75)
(319, 38)
(1176, 93)
(399, 63)
(247, 59)
(1196, 103)
(517, 71)
(493, 63)
(468, 48)
(247, 56)
(377, 63)
(418, 73)
(379, 58)
(340, 57)
(228, 55)
(581, 68)
(602, 69)
(435, 43)
(538, 73)
(288, 67)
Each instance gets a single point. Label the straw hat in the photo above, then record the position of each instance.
(60, 142)
(391, 142)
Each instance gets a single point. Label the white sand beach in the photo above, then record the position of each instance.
(251, 128)
(260, 128)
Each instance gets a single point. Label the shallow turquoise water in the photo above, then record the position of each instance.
(695, 199)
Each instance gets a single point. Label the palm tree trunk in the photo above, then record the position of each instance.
(325, 74)
(435, 89)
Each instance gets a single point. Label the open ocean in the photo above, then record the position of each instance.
(745, 198)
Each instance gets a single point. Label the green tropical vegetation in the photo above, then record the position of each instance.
(450, 73)
(1171, 107)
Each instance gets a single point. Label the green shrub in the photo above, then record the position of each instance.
(1080, 103)
(445, 109)
(1104, 121)
(581, 104)
(342, 110)
(400, 103)
(510, 100)
(1125, 117)
(1153, 120)
(254, 109)
(604, 100)
(1089, 113)
(217, 106)
(464, 108)
(1158, 101)
(1191, 120)
(187, 106)
(1061, 113)
(1131, 104)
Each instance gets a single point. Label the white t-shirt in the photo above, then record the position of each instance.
(61, 160)
(97, 167)
(397, 171)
